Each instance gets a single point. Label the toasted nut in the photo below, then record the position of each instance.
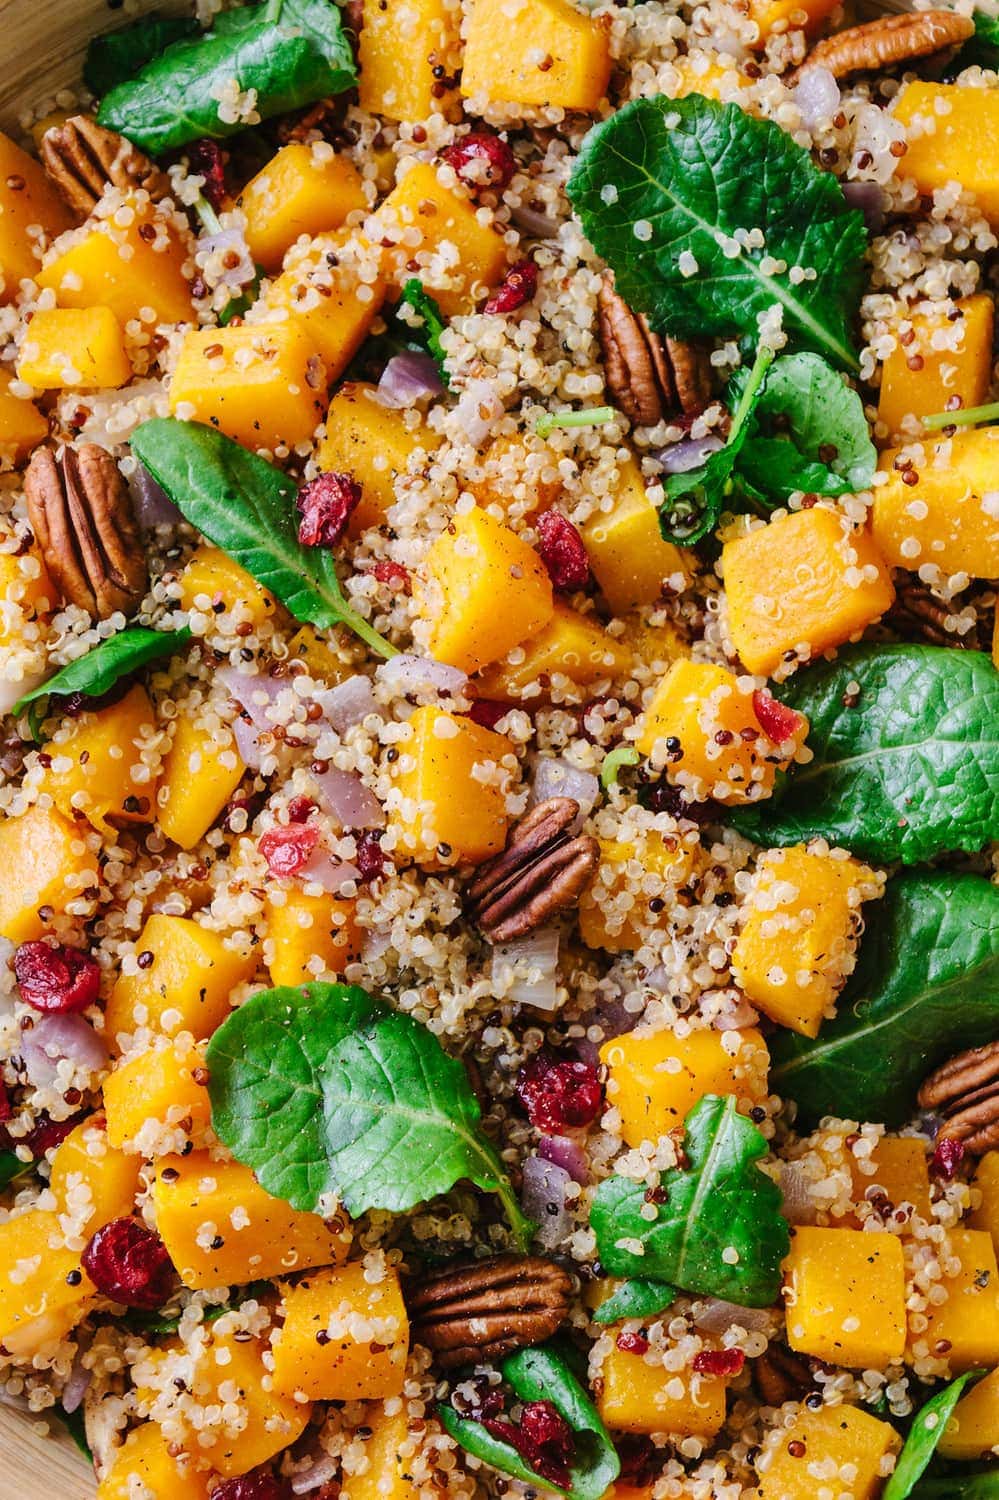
(782, 1375)
(917, 609)
(482, 1310)
(965, 1090)
(650, 377)
(542, 870)
(83, 160)
(889, 40)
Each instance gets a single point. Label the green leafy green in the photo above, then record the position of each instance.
(119, 54)
(980, 50)
(106, 664)
(289, 53)
(12, 1167)
(663, 187)
(636, 1299)
(247, 507)
(322, 1090)
(721, 1203)
(415, 295)
(982, 1484)
(239, 302)
(926, 986)
(907, 771)
(542, 1374)
(76, 1427)
(924, 1435)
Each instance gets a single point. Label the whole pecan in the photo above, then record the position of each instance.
(888, 40)
(82, 159)
(542, 870)
(781, 1375)
(81, 513)
(965, 1090)
(482, 1310)
(918, 609)
(650, 377)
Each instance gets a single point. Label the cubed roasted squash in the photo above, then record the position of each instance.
(986, 1182)
(262, 384)
(25, 582)
(144, 1465)
(135, 268)
(630, 558)
(201, 771)
(488, 590)
(28, 199)
(845, 1295)
(901, 1173)
(973, 1429)
(945, 359)
(781, 15)
(388, 1458)
(304, 189)
(701, 728)
(319, 654)
(43, 1291)
(699, 73)
(405, 48)
(656, 646)
(211, 578)
(948, 517)
(310, 936)
(344, 1338)
(22, 427)
(373, 443)
(330, 299)
(571, 646)
(840, 1448)
(156, 1093)
(510, 469)
(634, 890)
(47, 865)
(184, 986)
(953, 136)
(542, 52)
(68, 348)
(798, 943)
(93, 1181)
(806, 582)
(969, 1319)
(639, 1397)
(447, 801)
(653, 1081)
(105, 766)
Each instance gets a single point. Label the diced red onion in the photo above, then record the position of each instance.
(479, 409)
(542, 1198)
(407, 673)
(323, 1467)
(236, 276)
(349, 703)
(717, 1316)
(796, 1186)
(614, 1018)
(76, 1386)
(557, 778)
(377, 941)
(247, 737)
(539, 226)
(534, 960)
(323, 868)
(153, 506)
(568, 1154)
(689, 453)
(349, 800)
(255, 692)
(817, 96)
(58, 1037)
(407, 378)
(869, 198)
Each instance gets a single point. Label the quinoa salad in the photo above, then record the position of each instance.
(499, 943)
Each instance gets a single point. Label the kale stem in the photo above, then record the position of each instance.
(209, 218)
(367, 633)
(624, 755)
(761, 364)
(966, 418)
(592, 416)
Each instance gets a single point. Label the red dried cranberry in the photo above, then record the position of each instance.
(561, 549)
(49, 1133)
(259, 1484)
(778, 722)
(326, 504)
(661, 796)
(559, 1093)
(56, 977)
(207, 160)
(129, 1263)
(300, 809)
(482, 160)
(393, 574)
(287, 849)
(638, 1459)
(6, 1108)
(517, 287)
(542, 1438)
(947, 1157)
(487, 712)
(369, 859)
(633, 1343)
(718, 1362)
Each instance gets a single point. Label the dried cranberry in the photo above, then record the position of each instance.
(633, 1343)
(947, 1157)
(561, 549)
(661, 796)
(369, 858)
(49, 1133)
(326, 504)
(778, 722)
(718, 1362)
(129, 1263)
(207, 159)
(287, 849)
(259, 1484)
(6, 1108)
(542, 1438)
(56, 977)
(559, 1092)
(517, 287)
(393, 574)
(300, 809)
(482, 160)
(487, 712)
(638, 1460)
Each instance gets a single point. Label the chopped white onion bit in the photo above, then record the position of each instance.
(407, 673)
(525, 971)
(557, 778)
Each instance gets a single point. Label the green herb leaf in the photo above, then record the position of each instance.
(118, 54)
(983, 1484)
(322, 1090)
(247, 507)
(76, 1427)
(981, 50)
(636, 1299)
(542, 1374)
(688, 174)
(12, 1167)
(924, 1435)
(910, 772)
(415, 295)
(290, 52)
(721, 1202)
(926, 986)
(106, 664)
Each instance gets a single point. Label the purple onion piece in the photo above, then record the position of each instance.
(542, 1198)
(407, 673)
(534, 960)
(76, 1386)
(247, 737)
(153, 506)
(689, 453)
(568, 1154)
(323, 868)
(256, 693)
(352, 803)
(538, 225)
(869, 197)
(349, 703)
(55, 1038)
(557, 778)
(243, 272)
(409, 377)
(322, 1469)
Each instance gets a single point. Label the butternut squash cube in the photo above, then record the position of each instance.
(46, 865)
(328, 299)
(446, 803)
(901, 1173)
(656, 646)
(28, 203)
(496, 591)
(92, 1180)
(102, 768)
(344, 1338)
(201, 771)
(135, 269)
(798, 943)
(953, 136)
(973, 1429)
(211, 577)
(310, 936)
(144, 1465)
(37, 1303)
(318, 654)
(969, 1319)
(947, 359)
(806, 580)
(388, 1453)
(654, 1081)
(571, 645)
(372, 442)
(74, 349)
(401, 44)
(821, 1450)
(776, 15)
(616, 911)
(986, 1180)
(508, 465)
(440, 218)
(948, 518)
(845, 1294)
(700, 74)
(24, 581)
(262, 384)
(545, 52)
(304, 189)
(22, 425)
(636, 1397)
(694, 704)
(630, 557)
(187, 985)
(163, 1088)
(222, 1228)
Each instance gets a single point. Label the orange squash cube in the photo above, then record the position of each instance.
(630, 558)
(969, 1319)
(22, 426)
(953, 137)
(74, 349)
(310, 936)
(28, 200)
(776, 15)
(144, 1464)
(372, 442)
(445, 803)
(262, 384)
(637, 1397)
(402, 49)
(845, 1295)
(615, 911)
(93, 1181)
(545, 52)
(165, 1087)
(187, 985)
(388, 1459)
(319, 654)
(329, 299)
(510, 469)
(344, 1338)
(901, 1173)
(654, 1081)
(102, 767)
(973, 1430)
(835, 1446)
(136, 269)
(571, 646)
(986, 1181)
(304, 189)
(698, 73)
(201, 771)
(948, 518)
(210, 577)
(37, 1303)
(948, 359)
(47, 865)
(439, 217)
(24, 581)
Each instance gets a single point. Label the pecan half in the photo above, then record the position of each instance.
(81, 513)
(888, 40)
(83, 159)
(965, 1091)
(482, 1310)
(781, 1375)
(542, 870)
(917, 609)
(650, 377)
